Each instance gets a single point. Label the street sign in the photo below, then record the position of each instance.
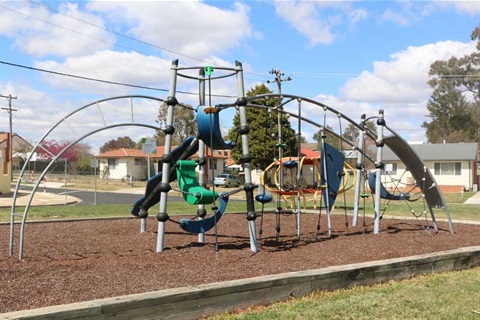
(149, 145)
(94, 163)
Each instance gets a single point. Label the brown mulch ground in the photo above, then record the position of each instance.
(68, 262)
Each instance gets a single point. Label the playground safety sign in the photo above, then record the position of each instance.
(149, 145)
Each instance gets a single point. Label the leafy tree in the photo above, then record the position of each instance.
(84, 157)
(331, 139)
(120, 142)
(183, 121)
(78, 156)
(263, 135)
(51, 148)
(454, 106)
(351, 133)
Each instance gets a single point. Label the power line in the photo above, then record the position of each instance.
(96, 26)
(105, 81)
(54, 10)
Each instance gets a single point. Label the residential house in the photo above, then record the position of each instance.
(453, 165)
(19, 149)
(132, 163)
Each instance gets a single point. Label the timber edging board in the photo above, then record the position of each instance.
(197, 301)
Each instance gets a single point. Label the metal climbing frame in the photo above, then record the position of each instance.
(172, 102)
(432, 194)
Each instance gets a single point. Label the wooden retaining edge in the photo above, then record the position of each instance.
(197, 301)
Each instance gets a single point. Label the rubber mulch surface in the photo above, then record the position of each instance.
(67, 262)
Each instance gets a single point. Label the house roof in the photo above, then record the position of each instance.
(137, 153)
(309, 153)
(15, 139)
(439, 151)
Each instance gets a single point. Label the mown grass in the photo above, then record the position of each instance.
(450, 295)
(455, 203)
(105, 211)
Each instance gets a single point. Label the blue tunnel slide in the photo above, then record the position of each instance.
(152, 193)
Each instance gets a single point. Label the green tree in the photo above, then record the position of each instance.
(120, 142)
(331, 139)
(183, 121)
(263, 135)
(454, 107)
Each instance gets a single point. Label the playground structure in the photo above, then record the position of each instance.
(328, 169)
(280, 178)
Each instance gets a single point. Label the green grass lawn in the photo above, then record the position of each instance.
(450, 295)
(458, 210)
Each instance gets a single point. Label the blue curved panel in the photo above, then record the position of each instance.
(384, 194)
(331, 162)
(152, 194)
(203, 225)
(209, 130)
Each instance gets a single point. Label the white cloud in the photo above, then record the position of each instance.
(316, 19)
(191, 28)
(123, 67)
(405, 13)
(404, 77)
(39, 32)
(469, 7)
(399, 86)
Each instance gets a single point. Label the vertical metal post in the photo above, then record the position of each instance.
(299, 186)
(171, 101)
(95, 181)
(246, 158)
(201, 146)
(378, 169)
(66, 180)
(326, 187)
(359, 169)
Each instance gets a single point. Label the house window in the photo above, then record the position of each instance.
(390, 168)
(112, 163)
(138, 161)
(447, 168)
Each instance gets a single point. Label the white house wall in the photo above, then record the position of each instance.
(402, 178)
(125, 167)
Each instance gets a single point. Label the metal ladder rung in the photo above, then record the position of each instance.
(23, 179)
(16, 215)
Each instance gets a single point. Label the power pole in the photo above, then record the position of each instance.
(10, 139)
(278, 79)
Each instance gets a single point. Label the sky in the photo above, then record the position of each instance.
(357, 57)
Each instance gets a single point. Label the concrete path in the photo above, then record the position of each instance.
(39, 199)
(475, 199)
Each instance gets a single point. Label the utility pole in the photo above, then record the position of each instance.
(10, 139)
(278, 79)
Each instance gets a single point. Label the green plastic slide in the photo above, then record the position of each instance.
(192, 191)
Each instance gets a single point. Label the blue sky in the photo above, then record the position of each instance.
(355, 56)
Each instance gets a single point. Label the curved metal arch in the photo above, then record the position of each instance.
(324, 106)
(56, 157)
(96, 103)
(354, 147)
(233, 72)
